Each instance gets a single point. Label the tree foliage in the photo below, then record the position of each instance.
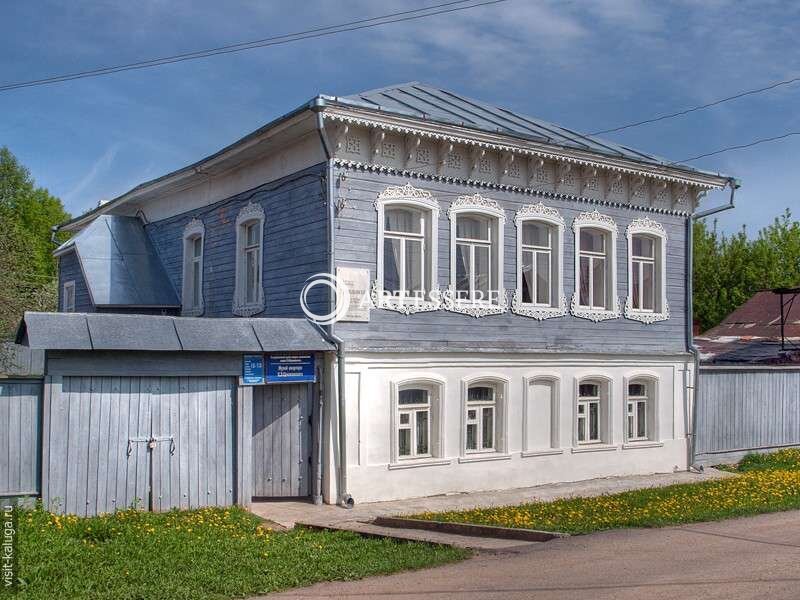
(728, 270)
(28, 278)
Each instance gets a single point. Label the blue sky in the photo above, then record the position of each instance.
(586, 65)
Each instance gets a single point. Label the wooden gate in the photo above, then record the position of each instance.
(281, 440)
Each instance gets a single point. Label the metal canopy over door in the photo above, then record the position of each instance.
(281, 440)
(160, 442)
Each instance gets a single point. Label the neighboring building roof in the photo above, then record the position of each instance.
(120, 264)
(751, 334)
(106, 331)
(431, 103)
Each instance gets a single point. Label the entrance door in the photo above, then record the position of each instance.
(281, 440)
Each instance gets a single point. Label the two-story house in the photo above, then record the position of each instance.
(528, 315)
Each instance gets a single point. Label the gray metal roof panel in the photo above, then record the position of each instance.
(121, 265)
(109, 331)
(219, 335)
(289, 335)
(432, 103)
(67, 331)
(132, 332)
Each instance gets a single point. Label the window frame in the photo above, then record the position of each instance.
(652, 229)
(250, 214)
(557, 307)
(604, 223)
(68, 285)
(490, 209)
(652, 383)
(500, 416)
(436, 391)
(194, 229)
(605, 411)
(422, 200)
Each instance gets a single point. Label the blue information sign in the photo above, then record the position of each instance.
(253, 369)
(290, 368)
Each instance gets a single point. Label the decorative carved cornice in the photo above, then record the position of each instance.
(646, 225)
(478, 203)
(594, 219)
(194, 228)
(251, 211)
(538, 312)
(583, 312)
(452, 303)
(406, 306)
(538, 211)
(646, 317)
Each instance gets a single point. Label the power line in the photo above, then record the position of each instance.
(686, 111)
(408, 15)
(739, 147)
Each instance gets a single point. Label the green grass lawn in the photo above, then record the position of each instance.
(209, 553)
(766, 483)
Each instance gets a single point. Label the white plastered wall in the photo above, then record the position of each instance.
(371, 475)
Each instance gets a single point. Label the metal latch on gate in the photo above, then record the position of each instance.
(151, 442)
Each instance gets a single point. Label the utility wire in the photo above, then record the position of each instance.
(686, 111)
(739, 147)
(408, 15)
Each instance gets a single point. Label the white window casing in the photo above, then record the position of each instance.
(409, 419)
(248, 299)
(592, 421)
(541, 415)
(497, 303)
(641, 394)
(486, 417)
(422, 201)
(68, 297)
(192, 280)
(556, 304)
(606, 225)
(634, 307)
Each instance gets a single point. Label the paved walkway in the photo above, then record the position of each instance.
(751, 558)
(287, 513)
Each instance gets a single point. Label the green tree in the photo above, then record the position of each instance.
(27, 267)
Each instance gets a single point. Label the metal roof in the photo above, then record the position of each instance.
(120, 264)
(424, 101)
(108, 331)
(760, 317)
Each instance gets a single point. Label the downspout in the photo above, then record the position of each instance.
(691, 432)
(344, 498)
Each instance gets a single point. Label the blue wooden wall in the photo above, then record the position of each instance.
(295, 244)
(69, 269)
(356, 239)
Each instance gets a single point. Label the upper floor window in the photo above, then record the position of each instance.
(476, 257)
(249, 289)
(539, 293)
(192, 290)
(68, 297)
(407, 241)
(417, 432)
(595, 294)
(647, 299)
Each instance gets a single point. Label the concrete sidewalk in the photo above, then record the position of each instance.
(287, 513)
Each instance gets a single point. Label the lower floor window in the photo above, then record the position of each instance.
(636, 421)
(588, 413)
(414, 422)
(481, 417)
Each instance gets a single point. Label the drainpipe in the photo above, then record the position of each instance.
(344, 499)
(691, 432)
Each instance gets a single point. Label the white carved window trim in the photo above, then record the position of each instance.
(605, 386)
(410, 196)
(68, 297)
(194, 229)
(500, 417)
(486, 207)
(252, 213)
(647, 226)
(652, 383)
(528, 416)
(595, 220)
(558, 302)
(436, 389)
